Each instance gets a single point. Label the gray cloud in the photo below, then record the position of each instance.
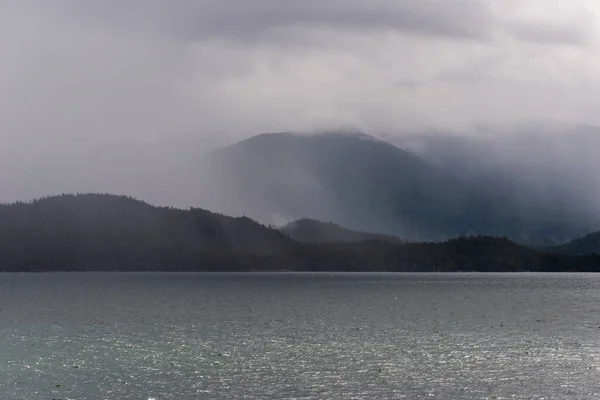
(552, 23)
(244, 20)
(76, 74)
(549, 33)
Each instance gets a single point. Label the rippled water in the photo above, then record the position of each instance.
(299, 336)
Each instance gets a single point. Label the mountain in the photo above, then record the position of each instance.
(545, 173)
(352, 179)
(115, 233)
(313, 231)
(587, 245)
(536, 184)
(368, 184)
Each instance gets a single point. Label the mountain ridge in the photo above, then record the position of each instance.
(338, 177)
(92, 232)
(586, 245)
(369, 184)
(313, 231)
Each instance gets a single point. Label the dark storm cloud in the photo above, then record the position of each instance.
(245, 20)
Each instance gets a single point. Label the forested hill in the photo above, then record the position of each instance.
(587, 245)
(106, 232)
(465, 254)
(313, 231)
(115, 232)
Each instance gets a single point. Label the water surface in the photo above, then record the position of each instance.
(299, 336)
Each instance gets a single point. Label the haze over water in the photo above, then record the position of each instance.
(299, 336)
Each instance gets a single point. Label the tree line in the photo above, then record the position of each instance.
(116, 233)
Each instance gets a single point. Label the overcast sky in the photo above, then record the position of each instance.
(146, 69)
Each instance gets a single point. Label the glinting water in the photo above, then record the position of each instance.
(299, 336)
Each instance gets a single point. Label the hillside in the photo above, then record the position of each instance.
(465, 254)
(313, 231)
(367, 184)
(96, 231)
(544, 173)
(587, 245)
(354, 180)
(115, 233)
(535, 184)
(523, 185)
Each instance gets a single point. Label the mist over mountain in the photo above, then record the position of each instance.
(141, 169)
(452, 187)
(548, 172)
(349, 178)
(99, 98)
(535, 184)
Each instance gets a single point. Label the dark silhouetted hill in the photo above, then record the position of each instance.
(587, 245)
(115, 233)
(94, 231)
(313, 231)
(465, 254)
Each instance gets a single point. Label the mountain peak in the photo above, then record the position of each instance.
(356, 179)
(354, 134)
(328, 134)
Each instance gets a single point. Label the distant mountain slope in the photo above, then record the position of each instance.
(367, 184)
(536, 184)
(352, 179)
(545, 173)
(589, 244)
(312, 231)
